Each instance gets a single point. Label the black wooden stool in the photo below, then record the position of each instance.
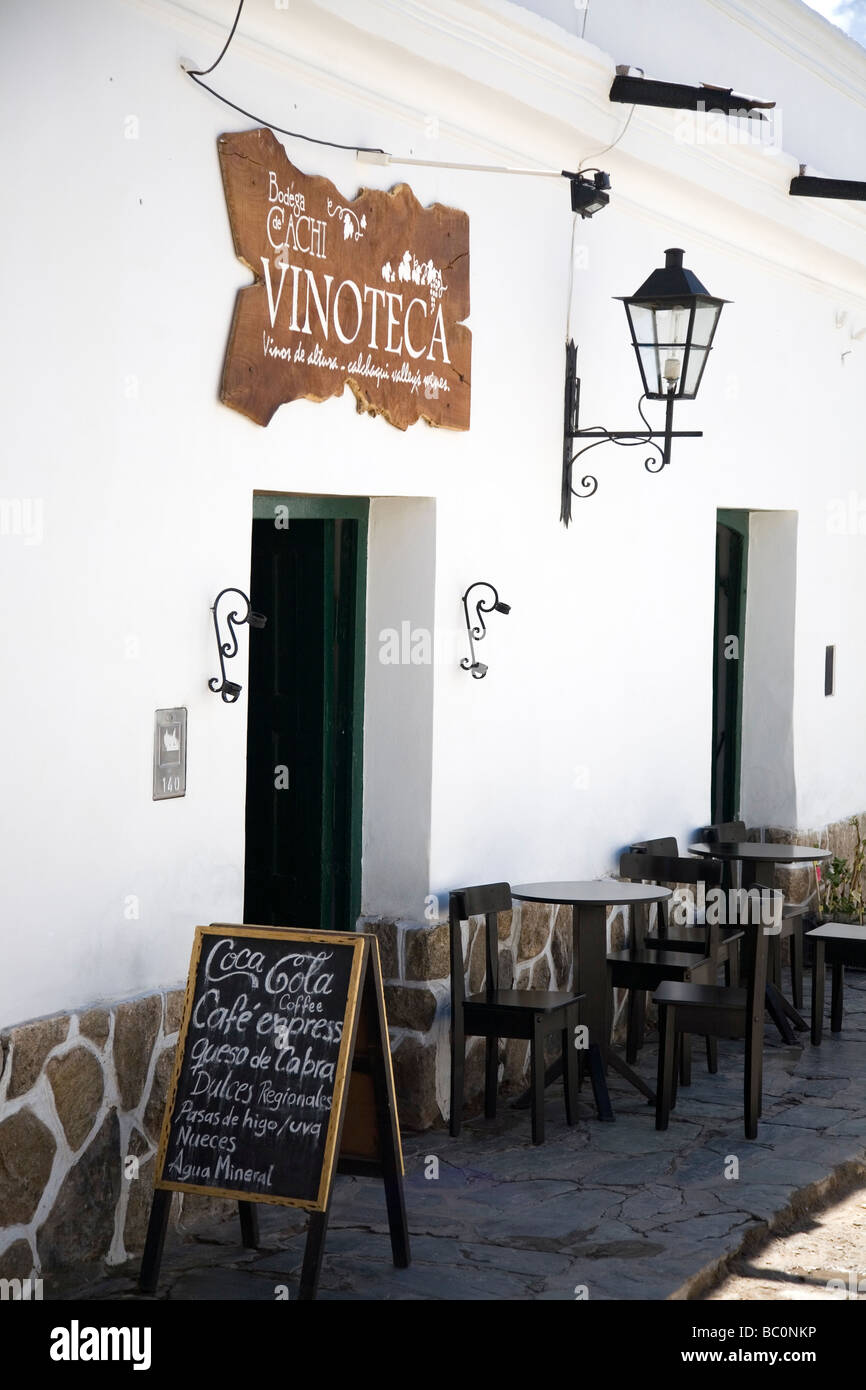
(837, 944)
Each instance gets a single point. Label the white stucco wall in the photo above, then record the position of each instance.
(593, 726)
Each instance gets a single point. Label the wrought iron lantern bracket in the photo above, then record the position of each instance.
(230, 690)
(597, 434)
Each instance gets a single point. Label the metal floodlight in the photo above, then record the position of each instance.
(588, 195)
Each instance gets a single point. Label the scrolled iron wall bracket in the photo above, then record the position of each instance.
(230, 690)
(597, 434)
(478, 629)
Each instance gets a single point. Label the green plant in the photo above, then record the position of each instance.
(841, 883)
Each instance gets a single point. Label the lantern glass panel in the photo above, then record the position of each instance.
(661, 333)
(642, 322)
(651, 367)
(694, 371)
(672, 324)
(706, 317)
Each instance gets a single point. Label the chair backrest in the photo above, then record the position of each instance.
(667, 844)
(724, 832)
(485, 900)
(673, 870)
(670, 868)
(727, 832)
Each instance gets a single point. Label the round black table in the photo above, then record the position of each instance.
(759, 871)
(589, 901)
(759, 860)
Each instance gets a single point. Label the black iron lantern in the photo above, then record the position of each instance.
(672, 319)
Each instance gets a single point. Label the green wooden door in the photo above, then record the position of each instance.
(305, 719)
(732, 554)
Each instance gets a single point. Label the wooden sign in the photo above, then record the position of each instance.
(282, 1078)
(371, 293)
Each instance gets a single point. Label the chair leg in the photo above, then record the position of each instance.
(569, 1066)
(675, 1075)
(797, 965)
(685, 1059)
(712, 1055)
(752, 1078)
(636, 1017)
(761, 1088)
(491, 1077)
(774, 1000)
(458, 1061)
(817, 992)
(773, 953)
(836, 997)
(732, 965)
(536, 1066)
(667, 1064)
(598, 1080)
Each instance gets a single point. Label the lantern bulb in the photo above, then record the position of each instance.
(672, 370)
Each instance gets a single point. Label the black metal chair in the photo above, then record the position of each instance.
(734, 832)
(722, 1012)
(504, 1013)
(693, 954)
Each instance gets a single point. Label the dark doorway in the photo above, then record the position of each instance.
(732, 552)
(305, 717)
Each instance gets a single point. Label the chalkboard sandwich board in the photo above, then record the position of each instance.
(282, 1078)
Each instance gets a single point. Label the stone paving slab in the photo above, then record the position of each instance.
(600, 1211)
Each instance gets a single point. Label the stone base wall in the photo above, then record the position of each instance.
(82, 1097)
(800, 884)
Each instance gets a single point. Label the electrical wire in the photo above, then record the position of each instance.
(203, 72)
(613, 145)
(295, 134)
(199, 73)
(569, 299)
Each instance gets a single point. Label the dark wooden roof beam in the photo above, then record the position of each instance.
(642, 91)
(806, 186)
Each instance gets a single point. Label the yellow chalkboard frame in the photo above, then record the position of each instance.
(360, 945)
